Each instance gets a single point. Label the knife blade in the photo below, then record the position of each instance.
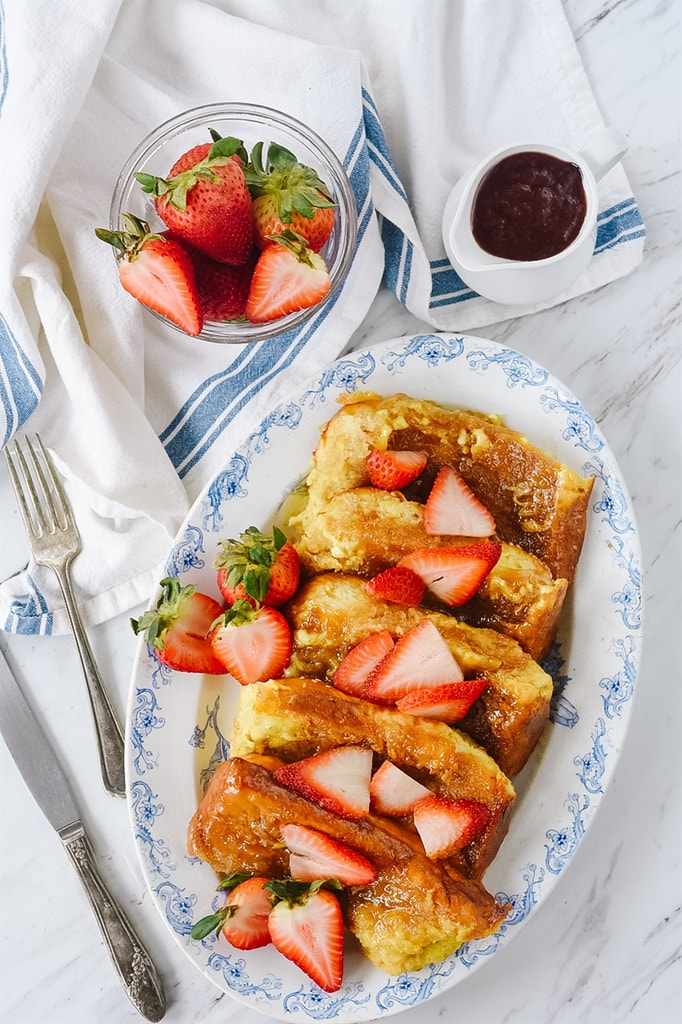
(37, 762)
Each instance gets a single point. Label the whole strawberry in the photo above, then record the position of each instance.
(222, 288)
(157, 271)
(260, 568)
(288, 194)
(205, 201)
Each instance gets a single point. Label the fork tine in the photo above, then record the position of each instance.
(20, 488)
(54, 492)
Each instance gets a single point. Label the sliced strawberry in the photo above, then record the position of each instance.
(243, 920)
(393, 792)
(397, 584)
(452, 508)
(306, 926)
(354, 670)
(390, 470)
(420, 658)
(285, 194)
(336, 779)
(315, 856)
(454, 574)
(178, 628)
(247, 911)
(287, 277)
(157, 271)
(252, 644)
(258, 567)
(445, 826)
(446, 703)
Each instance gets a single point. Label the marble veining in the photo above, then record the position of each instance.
(605, 947)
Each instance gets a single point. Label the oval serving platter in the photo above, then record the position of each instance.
(178, 725)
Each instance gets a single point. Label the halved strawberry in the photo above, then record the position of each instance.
(285, 194)
(420, 658)
(178, 628)
(257, 567)
(314, 855)
(243, 919)
(453, 508)
(336, 779)
(454, 574)
(354, 670)
(253, 644)
(397, 584)
(445, 826)
(157, 271)
(287, 277)
(389, 470)
(393, 792)
(446, 703)
(306, 926)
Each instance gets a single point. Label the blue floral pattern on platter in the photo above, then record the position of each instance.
(177, 734)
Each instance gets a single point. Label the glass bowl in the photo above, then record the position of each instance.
(157, 153)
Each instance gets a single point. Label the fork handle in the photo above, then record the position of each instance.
(107, 729)
(134, 966)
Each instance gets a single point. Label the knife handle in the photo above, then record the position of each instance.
(134, 966)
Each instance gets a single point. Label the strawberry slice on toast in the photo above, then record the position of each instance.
(397, 584)
(314, 855)
(448, 703)
(420, 658)
(355, 668)
(336, 779)
(390, 469)
(393, 792)
(454, 574)
(446, 826)
(452, 508)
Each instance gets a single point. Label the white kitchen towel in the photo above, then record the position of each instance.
(408, 93)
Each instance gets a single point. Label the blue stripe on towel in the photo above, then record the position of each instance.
(215, 403)
(379, 153)
(20, 383)
(619, 224)
(29, 615)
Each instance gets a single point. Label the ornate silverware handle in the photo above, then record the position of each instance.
(136, 970)
(107, 729)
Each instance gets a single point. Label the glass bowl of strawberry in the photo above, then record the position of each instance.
(233, 223)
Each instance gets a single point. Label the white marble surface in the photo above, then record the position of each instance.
(605, 947)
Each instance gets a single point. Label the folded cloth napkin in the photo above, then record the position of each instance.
(408, 93)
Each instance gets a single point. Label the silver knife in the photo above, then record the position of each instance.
(44, 776)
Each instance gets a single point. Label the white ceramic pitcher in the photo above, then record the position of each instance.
(526, 282)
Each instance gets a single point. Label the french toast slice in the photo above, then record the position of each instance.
(364, 530)
(295, 718)
(417, 911)
(332, 612)
(538, 503)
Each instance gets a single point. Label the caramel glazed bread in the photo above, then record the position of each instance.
(538, 504)
(417, 911)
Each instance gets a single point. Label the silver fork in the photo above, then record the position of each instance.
(55, 542)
